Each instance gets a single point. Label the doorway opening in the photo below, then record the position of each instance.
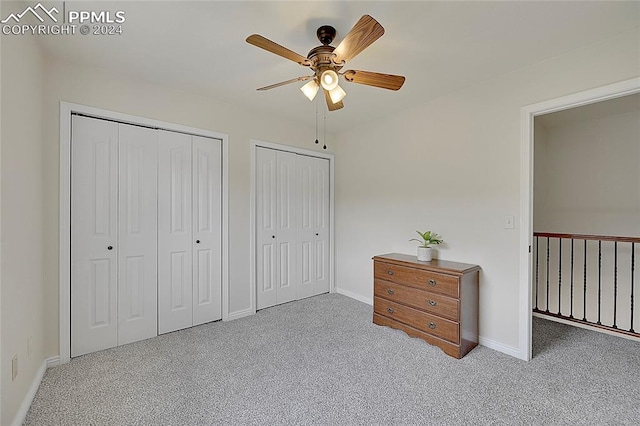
(527, 247)
(586, 216)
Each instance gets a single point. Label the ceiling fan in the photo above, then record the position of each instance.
(326, 62)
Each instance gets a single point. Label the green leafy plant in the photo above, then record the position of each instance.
(428, 238)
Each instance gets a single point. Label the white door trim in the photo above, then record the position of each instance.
(66, 110)
(528, 113)
(252, 215)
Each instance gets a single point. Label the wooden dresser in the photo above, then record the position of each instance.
(436, 301)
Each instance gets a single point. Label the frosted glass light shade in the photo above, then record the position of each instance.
(329, 79)
(310, 89)
(337, 94)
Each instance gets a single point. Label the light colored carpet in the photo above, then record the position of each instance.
(322, 361)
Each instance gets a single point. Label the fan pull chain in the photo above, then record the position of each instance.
(325, 130)
(317, 122)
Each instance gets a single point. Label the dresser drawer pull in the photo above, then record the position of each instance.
(432, 325)
(432, 282)
(433, 302)
(390, 310)
(390, 291)
(390, 272)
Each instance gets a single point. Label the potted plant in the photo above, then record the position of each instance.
(428, 238)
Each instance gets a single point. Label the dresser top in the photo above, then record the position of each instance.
(435, 265)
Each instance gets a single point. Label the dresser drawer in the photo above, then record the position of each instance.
(423, 321)
(431, 302)
(430, 281)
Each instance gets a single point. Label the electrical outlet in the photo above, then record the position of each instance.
(14, 367)
(508, 222)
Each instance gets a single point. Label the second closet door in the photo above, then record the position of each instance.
(189, 236)
(292, 226)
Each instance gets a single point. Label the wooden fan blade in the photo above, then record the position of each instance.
(270, 46)
(364, 32)
(330, 104)
(385, 81)
(293, 80)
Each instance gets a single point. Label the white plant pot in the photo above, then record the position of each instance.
(424, 254)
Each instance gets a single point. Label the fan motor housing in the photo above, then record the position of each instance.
(321, 58)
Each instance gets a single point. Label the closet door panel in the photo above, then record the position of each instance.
(307, 221)
(321, 225)
(287, 193)
(94, 227)
(137, 234)
(266, 228)
(207, 224)
(175, 243)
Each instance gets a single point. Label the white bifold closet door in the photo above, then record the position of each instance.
(292, 226)
(313, 229)
(189, 231)
(113, 234)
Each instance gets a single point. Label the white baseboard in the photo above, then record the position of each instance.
(500, 347)
(31, 393)
(53, 361)
(240, 314)
(356, 296)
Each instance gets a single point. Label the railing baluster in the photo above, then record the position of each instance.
(537, 259)
(571, 314)
(584, 285)
(599, 279)
(547, 308)
(615, 282)
(632, 270)
(607, 302)
(559, 276)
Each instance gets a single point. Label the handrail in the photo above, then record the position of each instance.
(588, 237)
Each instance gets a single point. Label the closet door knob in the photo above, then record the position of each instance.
(197, 241)
(273, 236)
(110, 248)
(316, 234)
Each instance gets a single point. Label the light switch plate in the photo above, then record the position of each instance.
(508, 222)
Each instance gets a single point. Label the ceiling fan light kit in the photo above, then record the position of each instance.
(310, 89)
(337, 94)
(326, 61)
(329, 80)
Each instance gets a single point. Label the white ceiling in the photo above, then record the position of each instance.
(440, 47)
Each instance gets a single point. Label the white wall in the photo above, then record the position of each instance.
(453, 166)
(592, 182)
(540, 176)
(21, 217)
(78, 84)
